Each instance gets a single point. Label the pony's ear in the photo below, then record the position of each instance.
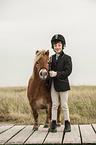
(47, 53)
(37, 51)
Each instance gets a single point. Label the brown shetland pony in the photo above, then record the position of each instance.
(38, 95)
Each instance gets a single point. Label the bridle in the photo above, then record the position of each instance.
(47, 70)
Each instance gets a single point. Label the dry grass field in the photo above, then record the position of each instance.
(15, 109)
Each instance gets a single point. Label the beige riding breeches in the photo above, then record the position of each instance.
(55, 103)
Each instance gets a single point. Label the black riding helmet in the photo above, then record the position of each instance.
(56, 38)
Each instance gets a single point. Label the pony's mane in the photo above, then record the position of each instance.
(39, 55)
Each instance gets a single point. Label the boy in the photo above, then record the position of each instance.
(61, 68)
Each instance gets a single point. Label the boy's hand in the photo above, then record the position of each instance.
(53, 73)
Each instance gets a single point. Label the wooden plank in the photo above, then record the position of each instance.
(94, 125)
(4, 128)
(88, 134)
(73, 136)
(5, 136)
(55, 137)
(21, 137)
(38, 136)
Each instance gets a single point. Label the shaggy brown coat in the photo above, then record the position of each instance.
(38, 95)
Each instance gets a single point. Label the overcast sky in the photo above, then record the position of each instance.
(28, 25)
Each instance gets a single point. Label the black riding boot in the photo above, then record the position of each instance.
(67, 126)
(53, 126)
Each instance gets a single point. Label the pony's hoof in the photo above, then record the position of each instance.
(46, 126)
(35, 128)
(58, 124)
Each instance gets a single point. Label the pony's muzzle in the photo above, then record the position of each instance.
(43, 73)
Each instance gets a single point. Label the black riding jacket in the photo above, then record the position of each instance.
(63, 67)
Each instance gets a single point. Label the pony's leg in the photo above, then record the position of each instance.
(49, 113)
(59, 113)
(35, 115)
(47, 120)
(48, 116)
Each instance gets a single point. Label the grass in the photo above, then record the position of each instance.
(15, 108)
(82, 104)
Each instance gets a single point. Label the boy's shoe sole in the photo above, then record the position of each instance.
(67, 130)
(52, 130)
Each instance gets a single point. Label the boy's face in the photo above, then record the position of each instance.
(58, 47)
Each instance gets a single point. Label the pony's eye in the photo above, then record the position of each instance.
(37, 62)
(48, 62)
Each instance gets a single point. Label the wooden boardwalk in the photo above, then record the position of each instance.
(23, 134)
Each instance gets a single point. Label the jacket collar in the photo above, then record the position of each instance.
(60, 56)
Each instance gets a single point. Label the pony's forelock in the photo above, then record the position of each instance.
(39, 55)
